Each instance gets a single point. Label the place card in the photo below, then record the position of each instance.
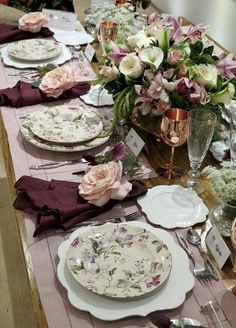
(217, 246)
(62, 20)
(134, 142)
(89, 52)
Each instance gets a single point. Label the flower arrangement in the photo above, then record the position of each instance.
(166, 65)
(223, 182)
(32, 22)
(128, 21)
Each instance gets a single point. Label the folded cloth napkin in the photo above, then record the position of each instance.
(24, 94)
(57, 203)
(10, 33)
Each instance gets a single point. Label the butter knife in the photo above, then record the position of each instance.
(53, 165)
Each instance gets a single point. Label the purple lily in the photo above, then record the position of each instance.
(116, 154)
(118, 52)
(196, 94)
(226, 66)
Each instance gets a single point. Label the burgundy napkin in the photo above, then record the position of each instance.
(24, 94)
(57, 203)
(10, 33)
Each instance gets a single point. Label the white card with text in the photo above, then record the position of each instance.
(62, 20)
(134, 142)
(89, 52)
(217, 246)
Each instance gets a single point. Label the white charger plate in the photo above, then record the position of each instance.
(64, 56)
(173, 206)
(179, 283)
(97, 97)
(72, 38)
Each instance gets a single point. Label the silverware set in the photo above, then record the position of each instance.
(204, 272)
(125, 218)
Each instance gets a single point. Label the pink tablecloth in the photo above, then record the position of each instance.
(43, 250)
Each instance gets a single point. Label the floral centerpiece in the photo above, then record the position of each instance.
(128, 21)
(166, 65)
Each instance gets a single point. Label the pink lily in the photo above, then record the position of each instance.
(226, 66)
(195, 32)
(118, 52)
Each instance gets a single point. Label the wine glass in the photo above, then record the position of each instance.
(174, 131)
(201, 128)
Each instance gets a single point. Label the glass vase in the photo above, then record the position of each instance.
(222, 216)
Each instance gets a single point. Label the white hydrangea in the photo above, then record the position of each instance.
(129, 22)
(223, 182)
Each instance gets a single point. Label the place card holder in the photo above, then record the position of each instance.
(218, 248)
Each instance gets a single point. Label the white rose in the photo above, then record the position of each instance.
(152, 55)
(139, 40)
(131, 66)
(206, 75)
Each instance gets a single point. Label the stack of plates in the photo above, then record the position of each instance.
(115, 271)
(66, 128)
(34, 53)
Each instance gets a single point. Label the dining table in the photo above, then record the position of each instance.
(51, 305)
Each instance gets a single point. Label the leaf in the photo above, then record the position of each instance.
(208, 50)
(36, 84)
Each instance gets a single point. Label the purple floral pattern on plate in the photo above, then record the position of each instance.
(119, 261)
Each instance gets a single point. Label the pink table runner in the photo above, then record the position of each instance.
(43, 250)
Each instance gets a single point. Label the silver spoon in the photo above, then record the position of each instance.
(194, 238)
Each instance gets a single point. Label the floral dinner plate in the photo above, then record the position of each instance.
(119, 261)
(180, 281)
(65, 124)
(34, 49)
(173, 206)
(74, 147)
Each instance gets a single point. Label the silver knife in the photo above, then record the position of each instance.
(57, 164)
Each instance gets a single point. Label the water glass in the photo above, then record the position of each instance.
(201, 128)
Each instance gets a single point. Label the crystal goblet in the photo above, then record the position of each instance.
(174, 131)
(201, 128)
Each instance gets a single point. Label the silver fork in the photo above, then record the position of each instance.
(199, 271)
(125, 218)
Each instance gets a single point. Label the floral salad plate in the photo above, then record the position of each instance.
(179, 282)
(119, 261)
(66, 124)
(66, 147)
(173, 206)
(34, 49)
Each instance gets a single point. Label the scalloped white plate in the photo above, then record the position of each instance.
(97, 97)
(179, 283)
(72, 38)
(64, 56)
(173, 206)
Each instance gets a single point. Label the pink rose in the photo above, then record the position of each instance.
(109, 71)
(32, 22)
(55, 82)
(175, 56)
(104, 182)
